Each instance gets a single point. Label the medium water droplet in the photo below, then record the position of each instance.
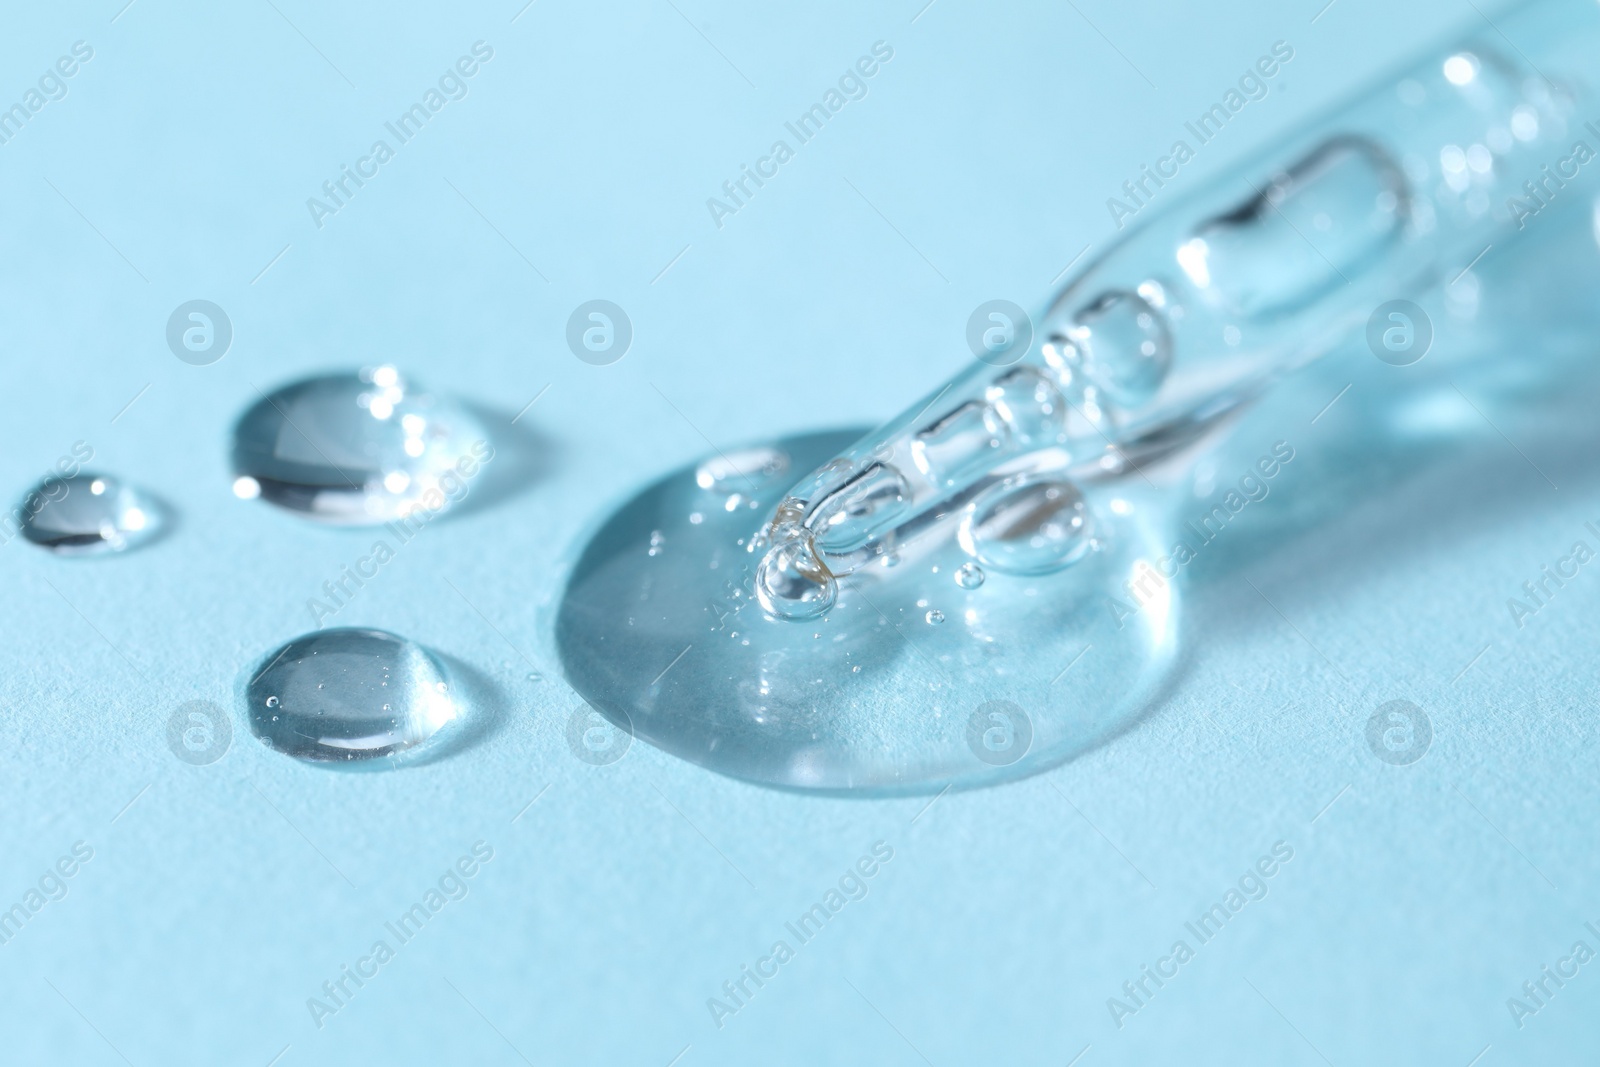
(357, 448)
(969, 576)
(934, 617)
(1029, 524)
(348, 694)
(88, 514)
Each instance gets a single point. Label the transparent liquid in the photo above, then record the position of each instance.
(363, 447)
(89, 514)
(347, 694)
(662, 629)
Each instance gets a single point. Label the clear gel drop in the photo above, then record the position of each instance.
(357, 448)
(347, 694)
(741, 650)
(88, 514)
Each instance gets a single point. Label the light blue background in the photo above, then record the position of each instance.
(223, 897)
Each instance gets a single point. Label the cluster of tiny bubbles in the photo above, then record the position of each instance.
(344, 695)
(356, 448)
(1028, 524)
(88, 514)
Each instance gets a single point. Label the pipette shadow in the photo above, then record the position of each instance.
(1439, 452)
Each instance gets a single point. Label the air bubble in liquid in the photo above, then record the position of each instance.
(865, 500)
(1032, 410)
(968, 437)
(357, 448)
(1317, 225)
(934, 617)
(1028, 524)
(969, 576)
(88, 514)
(346, 694)
(1119, 344)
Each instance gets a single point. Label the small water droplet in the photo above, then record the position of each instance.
(331, 690)
(357, 448)
(970, 576)
(88, 514)
(535, 676)
(934, 617)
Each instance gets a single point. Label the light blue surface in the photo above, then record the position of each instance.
(220, 898)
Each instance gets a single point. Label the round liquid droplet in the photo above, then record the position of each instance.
(970, 576)
(792, 582)
(88, 514)
(358, 448)
(344, 695)
(1029, 524)
(934, 617)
